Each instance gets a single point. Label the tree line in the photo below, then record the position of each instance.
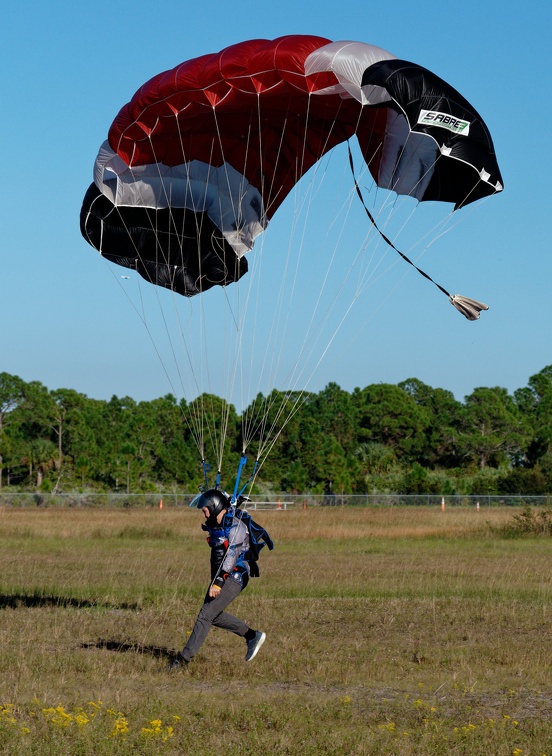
(384, 438)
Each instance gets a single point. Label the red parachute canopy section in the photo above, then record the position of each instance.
(201, 158)
(252, 106)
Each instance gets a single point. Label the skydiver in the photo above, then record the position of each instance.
(230, 571)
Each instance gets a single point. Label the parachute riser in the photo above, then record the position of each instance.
(237, 491)
(206, 470)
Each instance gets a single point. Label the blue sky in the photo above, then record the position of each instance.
(67, 69)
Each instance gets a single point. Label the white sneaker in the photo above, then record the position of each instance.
(254, 645)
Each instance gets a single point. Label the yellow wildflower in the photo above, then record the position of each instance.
(157, 732)
(58, 716)
(120, 726)
(82, 719)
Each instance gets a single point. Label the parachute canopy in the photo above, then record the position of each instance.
(200, 159)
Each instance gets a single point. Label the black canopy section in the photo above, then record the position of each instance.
(173, 247)
(465, 168)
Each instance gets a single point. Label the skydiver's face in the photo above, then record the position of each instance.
(207, 514)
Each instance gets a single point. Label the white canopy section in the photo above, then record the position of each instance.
(223, 193)
(348, 61)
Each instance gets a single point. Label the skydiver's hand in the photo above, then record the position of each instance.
(214, 591)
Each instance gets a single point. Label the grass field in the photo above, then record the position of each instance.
(389, 631)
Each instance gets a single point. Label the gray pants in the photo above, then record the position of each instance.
(212, 613)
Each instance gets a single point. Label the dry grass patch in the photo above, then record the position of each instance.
(390, 631)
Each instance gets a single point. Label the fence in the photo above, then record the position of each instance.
(283, 501)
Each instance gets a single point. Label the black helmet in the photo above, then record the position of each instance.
(214, 500)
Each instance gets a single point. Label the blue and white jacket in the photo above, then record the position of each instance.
(229, 544)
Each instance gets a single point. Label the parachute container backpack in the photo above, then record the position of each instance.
(202, 158)
(258, 539)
